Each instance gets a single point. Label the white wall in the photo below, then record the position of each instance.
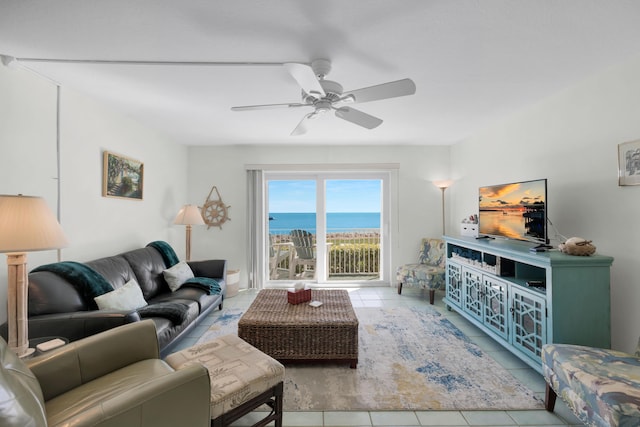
(95, 226)
(571, 139)
(419, 206)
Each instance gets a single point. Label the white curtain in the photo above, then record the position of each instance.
(256, 227)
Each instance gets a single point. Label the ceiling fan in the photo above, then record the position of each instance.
(325, 95)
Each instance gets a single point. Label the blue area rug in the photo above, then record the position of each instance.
(409, 359)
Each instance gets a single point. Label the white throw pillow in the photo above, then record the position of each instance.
(177, 275)
(127, 297)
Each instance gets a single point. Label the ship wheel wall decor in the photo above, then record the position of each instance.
(214, 211)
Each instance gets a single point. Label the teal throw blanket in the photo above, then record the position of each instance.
(88, 282)
(205, 283)
(175, 311)
(168, 254)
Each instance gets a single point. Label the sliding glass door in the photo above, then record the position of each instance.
(326, 227)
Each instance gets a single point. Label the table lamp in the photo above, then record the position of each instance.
(189, 215)
(26, 224)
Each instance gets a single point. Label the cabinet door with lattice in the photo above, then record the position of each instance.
(529, 326)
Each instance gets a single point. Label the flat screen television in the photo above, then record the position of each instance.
(516, 211)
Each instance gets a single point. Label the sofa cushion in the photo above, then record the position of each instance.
(166, 330)
(127, 297)
(115, 270)
(177, 275)
(21, 400)
(50, 293)
(87, 403)
(148, 265)
(192, 294)
(88, 282)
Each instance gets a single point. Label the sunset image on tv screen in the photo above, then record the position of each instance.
(516, 210)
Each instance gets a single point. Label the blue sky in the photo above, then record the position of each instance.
(342, 195)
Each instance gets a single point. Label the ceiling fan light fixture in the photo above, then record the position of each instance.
(327, 95)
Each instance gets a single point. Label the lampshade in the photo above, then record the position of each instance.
(444, 183)
(189, 215)
(27, 224)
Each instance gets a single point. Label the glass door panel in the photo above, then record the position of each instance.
(292, 229)
(352, 229)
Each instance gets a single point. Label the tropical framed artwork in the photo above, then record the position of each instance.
(629, 163)
(122, 177)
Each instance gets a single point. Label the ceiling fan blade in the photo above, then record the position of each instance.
(358, 117)
(268, 106)
(306, 78)
(383, 91)
(303, 126)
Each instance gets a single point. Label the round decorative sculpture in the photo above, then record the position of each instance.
(577, 246)
(214, 211)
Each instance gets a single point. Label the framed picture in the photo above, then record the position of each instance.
(122, 177)
(629, 163)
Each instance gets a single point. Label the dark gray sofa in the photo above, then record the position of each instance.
(58, 308)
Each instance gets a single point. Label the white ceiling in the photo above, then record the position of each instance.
(474, 62)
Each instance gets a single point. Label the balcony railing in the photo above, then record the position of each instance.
(350, 255)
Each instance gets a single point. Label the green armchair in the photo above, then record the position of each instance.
(114, 378)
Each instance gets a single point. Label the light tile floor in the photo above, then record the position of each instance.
(388, 297)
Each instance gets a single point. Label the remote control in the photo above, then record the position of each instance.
(535, 283)
(50, 345)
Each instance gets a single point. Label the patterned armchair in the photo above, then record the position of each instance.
(602, 387)
(429, 272)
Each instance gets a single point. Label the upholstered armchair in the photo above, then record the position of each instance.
(114, 378)
(601, 387)
(428, 272)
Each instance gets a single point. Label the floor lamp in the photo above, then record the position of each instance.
(189, 215)
(443, 185)
(26, 225)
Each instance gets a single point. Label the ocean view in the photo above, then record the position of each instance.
(337, 222)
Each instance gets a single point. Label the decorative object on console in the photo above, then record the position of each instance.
(121, 176)
(443, 185)
(629, 163)
(469, 226)
(214, 211)
(189, 215)
(577, 246)
(26, 224)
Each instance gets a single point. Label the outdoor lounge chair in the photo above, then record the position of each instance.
(304, 254)
(278, 253)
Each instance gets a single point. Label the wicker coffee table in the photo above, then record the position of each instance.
(301, 333)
